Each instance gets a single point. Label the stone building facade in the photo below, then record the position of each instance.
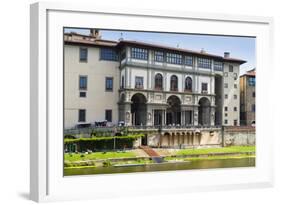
(144, 84)
(248, 98)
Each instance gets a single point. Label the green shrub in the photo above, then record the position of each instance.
(103, 143)
(106, 163)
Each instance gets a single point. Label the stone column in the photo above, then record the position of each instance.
(152, 117)
(165, 82)
(212, 116)
(128, 114)
(149, 116)
(162, 117)
(182, 118)
(195, 116)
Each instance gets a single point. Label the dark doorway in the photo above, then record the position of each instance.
(204, 112)
(188, 117)
(138, 109)
(144, 140)
(158, 117)
(173, 111)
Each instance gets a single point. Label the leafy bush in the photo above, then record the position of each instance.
(103, 143)
(106, 163)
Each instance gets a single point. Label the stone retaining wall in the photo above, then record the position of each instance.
(228, 136)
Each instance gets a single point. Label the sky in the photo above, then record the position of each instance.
(239, 47)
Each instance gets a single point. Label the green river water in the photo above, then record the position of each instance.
(199, 164)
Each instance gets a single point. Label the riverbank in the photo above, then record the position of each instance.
(173, 166)
(137, 156)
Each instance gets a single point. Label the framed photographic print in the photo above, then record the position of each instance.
(130, 102)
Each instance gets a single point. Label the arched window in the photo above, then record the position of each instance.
(174, 83)
(188, 84)
(158, 82)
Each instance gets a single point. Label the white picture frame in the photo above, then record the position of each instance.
(46, 176)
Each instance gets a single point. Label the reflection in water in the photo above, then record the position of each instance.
(200, 164)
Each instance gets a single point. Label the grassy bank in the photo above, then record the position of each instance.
(92, 159)
(238, 156)
(97, 155)
(233, 149)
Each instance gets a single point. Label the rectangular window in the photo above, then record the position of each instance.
(109, 83)
(235, 109)
(139, 82)
(83, 54)
(225, 108)
(235, 76)
(82, 82)
(204, 87)
(225, 122)
(235, 85)
(188, 60)
(225, 96)
(235, 122)
(230, 68)
(139, 53)
(108, 115)
(108, 54)
(204, 63)
(173, 58)
(253, 107)
(83, 94)
(252, 81)
(82, 115)
(254, 94)
(225, 114)
(159, 56)
(218, 66)
(235, 97)
(225, 85)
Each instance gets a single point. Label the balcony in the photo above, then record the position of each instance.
(174, 89)
(158, 88)
(187, 90)
(139, 87)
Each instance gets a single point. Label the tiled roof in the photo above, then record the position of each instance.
(88, 40)
(123, 42)
(251, 73)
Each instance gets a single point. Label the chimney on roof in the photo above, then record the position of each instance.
(226, 54)
(95, 33)
(202, 50)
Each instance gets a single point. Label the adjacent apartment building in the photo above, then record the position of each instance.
(147, 84)
(248, 98)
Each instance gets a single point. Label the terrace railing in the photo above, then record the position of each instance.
(116, 129)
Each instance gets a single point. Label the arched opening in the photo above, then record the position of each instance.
(188, 84)
(138, 109)
(174, 83)
(173, 111)
(204, 112)
(158, 82)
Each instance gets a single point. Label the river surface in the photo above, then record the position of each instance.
(200, 164)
